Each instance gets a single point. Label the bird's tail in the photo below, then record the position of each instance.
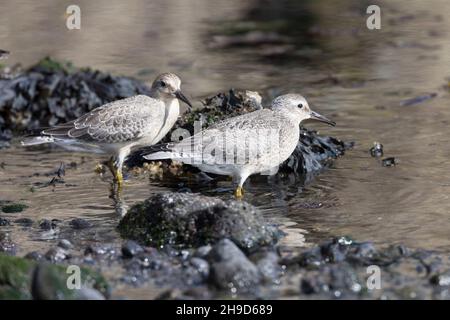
(158, 151)
(68, 144)
(32, 141)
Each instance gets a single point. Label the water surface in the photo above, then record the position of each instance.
(356, 76)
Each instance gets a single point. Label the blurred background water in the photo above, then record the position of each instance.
(358, 77)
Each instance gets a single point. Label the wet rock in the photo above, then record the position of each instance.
(25, 279)
(65, 244)
(13, 207)
(267, 261)
(185, 219)
(56, 254)
(34, 255)
(4, 54)
(202, 251)
(130, 249)
(418, 100)
(312, 153)
(25, 222)
(79, 224)
(201, 266)
(376, 150)
(7, 246)
(333, 281)
(4, 222)
(389, 162)
(99, 249)
(49, 282)
(46, 224)
(231, 269)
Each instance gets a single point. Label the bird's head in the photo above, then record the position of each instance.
(168, 86)
(298, 108)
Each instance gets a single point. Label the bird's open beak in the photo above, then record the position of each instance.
(183, 98)
(321, 118)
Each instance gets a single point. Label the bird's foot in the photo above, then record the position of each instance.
(117, 173)
(99, 168)
(239, 192)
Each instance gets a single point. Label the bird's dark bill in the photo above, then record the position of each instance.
(318, 117)
(183, 98)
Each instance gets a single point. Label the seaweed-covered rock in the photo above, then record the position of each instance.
(7, 207)
(26, 279)
(186, 219)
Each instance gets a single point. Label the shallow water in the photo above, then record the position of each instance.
(357, 77)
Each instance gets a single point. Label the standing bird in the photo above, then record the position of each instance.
(117, 127)
(252, 143)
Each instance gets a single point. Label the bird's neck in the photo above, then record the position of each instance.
(290, 115)
(171, 113)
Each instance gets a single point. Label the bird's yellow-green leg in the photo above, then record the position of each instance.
(239, 192)
(119, 179)
(116, 172)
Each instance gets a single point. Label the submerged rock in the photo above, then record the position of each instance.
(13, 207)
(231, 269)
(389, 162)
(186, 219)
(80, 223)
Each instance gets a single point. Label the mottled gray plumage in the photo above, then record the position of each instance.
(264, 138)
(115, 122)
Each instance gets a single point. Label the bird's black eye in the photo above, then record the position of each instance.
(300, 105)
(163, 84)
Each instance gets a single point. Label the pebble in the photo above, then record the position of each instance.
(131, 249)
(79, 224)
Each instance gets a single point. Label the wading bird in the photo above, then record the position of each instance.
(244, 145)
(119, 126)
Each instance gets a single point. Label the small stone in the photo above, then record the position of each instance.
(65, 244)
(389, 162)
(56, 254)
(46, 224)
(79, 224)
(202, 251)
(230, 268)
(130, 249)
(201, 265)
(6, 244)
(4, 222)
(34, 255)
(14, 208)
(267, 263)
(376, 150)
(97, 249)
(25, 222)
